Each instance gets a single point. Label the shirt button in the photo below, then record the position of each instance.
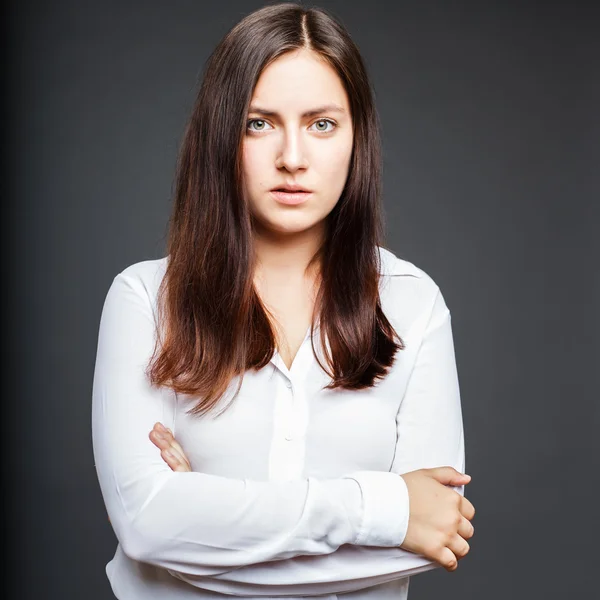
(288, 384)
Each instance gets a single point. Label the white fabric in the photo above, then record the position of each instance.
(295, 490)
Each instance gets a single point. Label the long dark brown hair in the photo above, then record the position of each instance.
(214, 325)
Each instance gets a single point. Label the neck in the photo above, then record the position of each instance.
(287, 256)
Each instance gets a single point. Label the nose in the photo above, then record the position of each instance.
(292, 154)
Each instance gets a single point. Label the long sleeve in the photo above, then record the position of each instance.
(194, 524)
(429, 434)
(429, 422)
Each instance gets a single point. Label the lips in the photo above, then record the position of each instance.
(284, 196)
(290, 189)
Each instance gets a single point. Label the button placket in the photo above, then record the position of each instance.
(286, 458)
(289, 426)
(287, 453)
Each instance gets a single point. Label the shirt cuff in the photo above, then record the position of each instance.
(386, 508)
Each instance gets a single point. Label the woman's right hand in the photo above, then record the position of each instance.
(439, 522)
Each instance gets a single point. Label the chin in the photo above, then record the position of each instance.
(288, 226)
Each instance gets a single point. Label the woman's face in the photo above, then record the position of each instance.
(283, 146)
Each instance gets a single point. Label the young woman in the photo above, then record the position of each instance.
(302, 376)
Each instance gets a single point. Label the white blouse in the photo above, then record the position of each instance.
(295, 490)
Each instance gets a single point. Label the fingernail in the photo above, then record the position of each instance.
(161, 427)
(169, 454)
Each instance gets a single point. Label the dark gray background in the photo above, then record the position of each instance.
(490, 124)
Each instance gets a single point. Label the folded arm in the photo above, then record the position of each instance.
(198, 525)
(429, 434)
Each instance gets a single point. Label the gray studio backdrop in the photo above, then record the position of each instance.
(490, 129)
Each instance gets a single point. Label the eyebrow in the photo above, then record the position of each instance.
(309, 113)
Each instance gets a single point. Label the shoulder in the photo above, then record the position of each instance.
(408, 293)
(144, 277)
(391, 265)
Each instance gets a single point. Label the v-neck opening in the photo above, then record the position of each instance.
(278, 360)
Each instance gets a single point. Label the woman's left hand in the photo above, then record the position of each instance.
(171, 452)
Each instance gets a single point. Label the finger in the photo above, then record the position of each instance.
(164, 444)
(448, 560)
(175, 444)
(159, 440)
(449, 476)
(181, 458)
(466, 529)
(466, 508)
(459, 546)
(174, 463)
(168, 441)
(160, 429)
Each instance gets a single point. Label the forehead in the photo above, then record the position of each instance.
(297, 81)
